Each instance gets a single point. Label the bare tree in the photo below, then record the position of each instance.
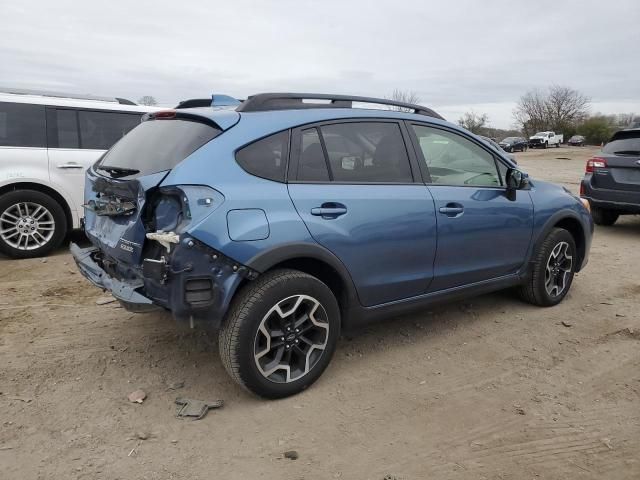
(531, 112)
(566, 107)
(402, 96)
(474, 122)
(147, 100)
(558, 109)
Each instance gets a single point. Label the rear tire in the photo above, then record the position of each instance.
(552, 270)
(280, 333)
(603, 216)
(31, 224)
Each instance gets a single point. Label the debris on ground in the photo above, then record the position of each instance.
(138, 396)
(519, 410)
(189, 407)
(291, 455)
(21, 399)
(175, 385)
(142, 435)
(566, 323)
(105, 300)
(607, 443)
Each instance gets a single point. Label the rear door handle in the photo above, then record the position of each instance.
(70, 165)
(452, 210)
(329, 210)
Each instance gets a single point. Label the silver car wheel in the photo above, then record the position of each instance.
(291, 338)
(558, 269)
(26, 226)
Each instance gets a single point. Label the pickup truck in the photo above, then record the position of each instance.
(545, 139)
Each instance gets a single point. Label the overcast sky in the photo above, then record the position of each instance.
(456, 55)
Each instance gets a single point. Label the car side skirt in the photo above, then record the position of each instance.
(360, 316)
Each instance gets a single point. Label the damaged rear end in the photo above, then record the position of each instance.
(142, 251)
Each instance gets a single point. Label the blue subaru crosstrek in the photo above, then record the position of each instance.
(288, 217)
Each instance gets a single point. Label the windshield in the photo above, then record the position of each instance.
(540, 134)
(155, 146)
(510, 140)
(624, 143)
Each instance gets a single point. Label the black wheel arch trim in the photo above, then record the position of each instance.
(301, 250)
(552, 223)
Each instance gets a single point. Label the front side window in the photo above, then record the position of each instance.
(355, 152)
(101, 130)
(454, 160)
(22, 125)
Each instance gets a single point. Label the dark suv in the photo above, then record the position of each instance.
(511, 144)
(287, 218)
(611, 182)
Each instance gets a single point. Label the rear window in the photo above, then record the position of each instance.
(22, 125)
(624, 143)
(155, 146)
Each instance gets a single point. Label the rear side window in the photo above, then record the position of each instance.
(266, 158)
(100, 130)
(22, 125)
(624, 143)
(155, 146)
(355, 152)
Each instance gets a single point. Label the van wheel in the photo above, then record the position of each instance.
(604, 217)
(31, 224)
(552, 270)
(280, 333)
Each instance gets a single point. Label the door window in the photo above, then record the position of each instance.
(355, 152)
(67, 129)
(454, 160)
(22, 125)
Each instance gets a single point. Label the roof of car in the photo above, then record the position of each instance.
(275, 120)
(71, 100)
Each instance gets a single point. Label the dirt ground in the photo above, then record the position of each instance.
(489, 388)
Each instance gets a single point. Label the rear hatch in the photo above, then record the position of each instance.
(121, 184)
(622, 157)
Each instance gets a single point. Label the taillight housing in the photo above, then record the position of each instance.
(595, 162)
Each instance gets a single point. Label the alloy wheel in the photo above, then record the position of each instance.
(26, 226)
(291, 338)
(558, 269)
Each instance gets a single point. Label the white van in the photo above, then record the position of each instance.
(47, 141)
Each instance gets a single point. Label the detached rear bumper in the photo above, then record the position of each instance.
(125, 292)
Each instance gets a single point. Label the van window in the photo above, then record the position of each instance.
(22, 125)
(100, 130)
(67, 129)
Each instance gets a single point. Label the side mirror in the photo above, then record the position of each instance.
(516, 179)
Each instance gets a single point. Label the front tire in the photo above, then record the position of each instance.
(603, 216)
(552, 270)
(280, 333)
(31, 224)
